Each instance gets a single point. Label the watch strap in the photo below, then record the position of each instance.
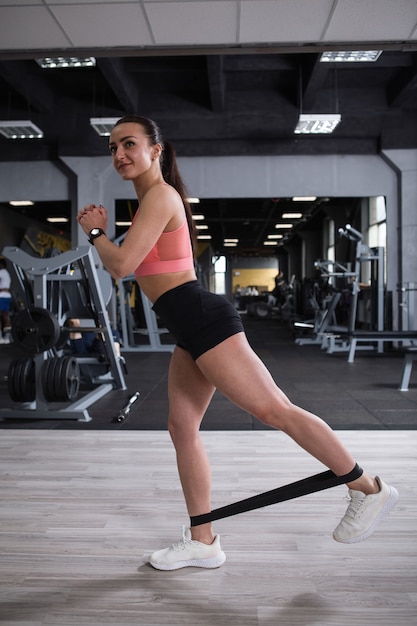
(92, 237)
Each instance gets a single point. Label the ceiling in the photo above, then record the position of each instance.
(221, 77)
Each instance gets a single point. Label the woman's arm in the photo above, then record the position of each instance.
(160, 208)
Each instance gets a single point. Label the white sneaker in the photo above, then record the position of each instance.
(364, 513)
(189, 553)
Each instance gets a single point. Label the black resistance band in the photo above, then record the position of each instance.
(312, 484)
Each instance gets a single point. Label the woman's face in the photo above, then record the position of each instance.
(131, 150)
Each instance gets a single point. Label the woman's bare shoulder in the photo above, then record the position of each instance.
(166, 200)
(161, 190)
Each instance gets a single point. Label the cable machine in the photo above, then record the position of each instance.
(325, 332)
(363, 254)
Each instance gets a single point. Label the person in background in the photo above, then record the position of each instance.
(83, 343)
(5, 302)
(212, 350)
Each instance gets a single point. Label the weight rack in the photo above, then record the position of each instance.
(48, 292)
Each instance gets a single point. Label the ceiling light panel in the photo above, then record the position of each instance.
(103, 125)
(353, 56)
(20, 129)
(52, 63)
(314, 124)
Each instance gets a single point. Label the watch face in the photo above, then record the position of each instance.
(94, 231)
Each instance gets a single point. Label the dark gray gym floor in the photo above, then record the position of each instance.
(363, 395)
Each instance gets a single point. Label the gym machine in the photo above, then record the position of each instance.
(339, 339)
(128, 327)
(324, 320)
(48, 293)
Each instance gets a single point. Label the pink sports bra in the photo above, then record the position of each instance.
(171, 253)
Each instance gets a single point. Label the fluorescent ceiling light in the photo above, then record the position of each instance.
(193, 200)
(317, 123)
(230, 244)
(201, 226)
(51, 63)
(270, 243)
(57, 220)
(283, 225)
(198, 217)
(291, 216)
(231, 240)
(304, 198)
(123, 223)
(353, 56)
(21, 202)
(203, 236)
(20, 129)
(278, 236)
(103, 125)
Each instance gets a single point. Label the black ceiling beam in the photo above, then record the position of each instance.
(216, 81)
(32, 88)
(120, 82)
(313, 77)
(403, 87)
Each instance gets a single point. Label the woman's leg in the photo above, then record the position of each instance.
(235, 369)
(189, 395)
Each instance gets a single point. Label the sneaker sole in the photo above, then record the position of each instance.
(388, 506)
(207, 563)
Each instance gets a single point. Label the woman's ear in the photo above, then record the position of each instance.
(156, 151)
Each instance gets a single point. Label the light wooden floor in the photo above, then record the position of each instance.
(81, 511)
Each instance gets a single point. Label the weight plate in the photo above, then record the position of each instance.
(263, 310)
(59, 382)
(21, 380)
(70, 377)
(12, 379)
(47, 379)
(61, 379)
(35, 330)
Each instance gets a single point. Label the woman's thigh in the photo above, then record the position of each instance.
(239, 374)
(189, 392)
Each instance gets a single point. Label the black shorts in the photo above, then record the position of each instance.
(197, 318)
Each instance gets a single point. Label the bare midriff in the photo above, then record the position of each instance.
(154, 286)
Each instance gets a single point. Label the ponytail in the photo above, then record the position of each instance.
(172, 176)
(169, 166)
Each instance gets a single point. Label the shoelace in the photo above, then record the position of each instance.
(184, 541)
(355, 505)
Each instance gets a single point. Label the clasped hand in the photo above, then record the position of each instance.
(92, 216)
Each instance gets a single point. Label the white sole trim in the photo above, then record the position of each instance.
(212, 563)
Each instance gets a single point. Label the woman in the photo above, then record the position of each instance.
(212, 350)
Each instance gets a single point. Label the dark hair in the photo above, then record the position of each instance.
(168, 162)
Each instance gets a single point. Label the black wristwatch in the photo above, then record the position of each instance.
(94, 233)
